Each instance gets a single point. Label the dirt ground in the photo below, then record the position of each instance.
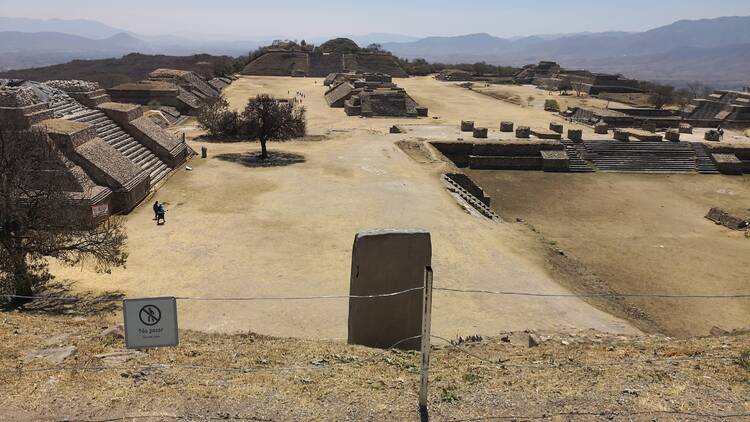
(585, 376)
(236, 230)
(641, 234)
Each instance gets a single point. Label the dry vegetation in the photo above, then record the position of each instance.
(588, 374)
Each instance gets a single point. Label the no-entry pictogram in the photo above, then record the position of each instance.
(150, 315)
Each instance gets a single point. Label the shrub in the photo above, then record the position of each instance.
(218, 119)
(551, 105)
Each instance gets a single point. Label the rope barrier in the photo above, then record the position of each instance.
(573, 295)
(444, 289)
(222, 299)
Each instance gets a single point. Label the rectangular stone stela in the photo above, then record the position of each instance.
(388, 261)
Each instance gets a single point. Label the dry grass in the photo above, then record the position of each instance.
(359, 383)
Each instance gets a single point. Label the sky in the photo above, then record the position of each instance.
(321, 18)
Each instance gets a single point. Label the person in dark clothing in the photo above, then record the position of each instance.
(161, 215)
(156, 210)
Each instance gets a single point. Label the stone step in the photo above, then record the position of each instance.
(142, 155)
(159, 173)
(109, 130)
(123, 142)
(115, 138)
(129, 148)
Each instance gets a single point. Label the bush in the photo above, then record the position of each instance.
(551, 105)
(218, 119)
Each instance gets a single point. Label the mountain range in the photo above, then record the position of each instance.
(714, 51)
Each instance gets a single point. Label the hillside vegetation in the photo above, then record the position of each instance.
(133, 67)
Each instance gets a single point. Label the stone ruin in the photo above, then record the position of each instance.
(289, 60)
(551, 76)
(369, 95)
(110, 154)
(172, 91)
(735, 220)
(624, 117)
(727, 108)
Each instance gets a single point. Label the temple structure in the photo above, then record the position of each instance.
(370, 94)
(551, 76)
(111, 154)
(722, 108)
(289, 59)
(175, 90)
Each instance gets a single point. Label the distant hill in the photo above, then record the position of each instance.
(28, 43)
(22, 50)
(16, 42)
(80, 27)
(657, 53)
(110, 72)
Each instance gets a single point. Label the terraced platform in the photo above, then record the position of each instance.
(647, 157)
(70, 109)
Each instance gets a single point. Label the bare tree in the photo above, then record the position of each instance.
(577, 87)
(267, 118)
(38, 217)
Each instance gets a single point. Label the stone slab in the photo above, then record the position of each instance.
(384, 262)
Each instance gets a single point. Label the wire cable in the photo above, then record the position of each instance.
(573, 295)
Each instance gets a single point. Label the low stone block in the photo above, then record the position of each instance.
(672, 135)
(601, 128)
(523, 132)
(686, 128)
(480, 132)
(556, 127)
(506, 126)
(727, 163)
(555, 161)
(422, 111)
(467, 126)
(575, 135)
(712, 135)
(622, 135)
(395, 129)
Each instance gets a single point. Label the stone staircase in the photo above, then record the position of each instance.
(111, 133)
(575, 155)
(470, 199)
(703, 161)
(644, 157)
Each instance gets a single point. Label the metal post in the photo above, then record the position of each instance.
(426, 322)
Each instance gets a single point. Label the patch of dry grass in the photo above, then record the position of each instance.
(243, 375)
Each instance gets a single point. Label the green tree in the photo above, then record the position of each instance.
(266, 118)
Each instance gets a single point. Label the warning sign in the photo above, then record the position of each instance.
(150, 323)
(100, 210)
